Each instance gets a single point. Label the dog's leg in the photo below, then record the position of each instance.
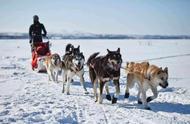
(63, 90)
(100, 99)
(82, 83)
(127, 88)
(108, 97)
(49, 73)
(94, 81)
(69, 79)
(95, 90)
(144, 100)
(117, 88)
(49, 78)
(126, 91)
(52, 75)
(155, 94)
(129, 84)
(64, 76)
(138, 95)
(56, 76)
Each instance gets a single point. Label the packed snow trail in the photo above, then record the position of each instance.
(28, 97)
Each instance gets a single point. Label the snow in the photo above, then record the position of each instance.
(28, 97)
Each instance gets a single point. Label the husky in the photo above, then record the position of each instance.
(53, 65)
(73, 64)
(71, 50)
(147, 77)
(103, 69)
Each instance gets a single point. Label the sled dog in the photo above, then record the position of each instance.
(103, 69)
(147, 77)
(71, 50)
(53, 65)
(73, 64)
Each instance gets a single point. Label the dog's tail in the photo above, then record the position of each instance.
(91, 58)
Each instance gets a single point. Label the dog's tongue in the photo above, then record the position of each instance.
(117, 66)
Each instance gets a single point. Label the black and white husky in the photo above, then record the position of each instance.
(73, 64)
(102, 69)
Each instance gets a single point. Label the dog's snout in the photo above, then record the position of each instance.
(165, 84)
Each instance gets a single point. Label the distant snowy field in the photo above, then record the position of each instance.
(28, 97)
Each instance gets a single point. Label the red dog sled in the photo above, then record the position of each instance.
(39, 52)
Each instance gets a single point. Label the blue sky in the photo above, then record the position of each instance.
(168, 17)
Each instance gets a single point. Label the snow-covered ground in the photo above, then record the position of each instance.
(28, 97)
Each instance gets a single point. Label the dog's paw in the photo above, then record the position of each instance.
(63, 90)
(126, 95)
(100, 101)
(68, 93)
(108, 97)
(86, 92)
(149, 99)
(114, 100)
(147, 108)
(139, 102)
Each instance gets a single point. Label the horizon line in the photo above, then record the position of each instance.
(73, 33)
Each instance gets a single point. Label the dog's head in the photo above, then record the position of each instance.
(162, 77)
(114, 59)
(76, 50)
(130, 66)
(78, 61)
(55, 59)
(69, 48)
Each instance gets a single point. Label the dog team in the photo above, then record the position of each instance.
(103, 69)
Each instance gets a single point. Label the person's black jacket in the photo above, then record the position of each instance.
(35, 32)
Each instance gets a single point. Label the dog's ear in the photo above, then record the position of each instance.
(118, 50)
(81, 53)
(166, 70)
(72, 47)
(108, 50)
(160, 70)
(78, 47)
(147, 63)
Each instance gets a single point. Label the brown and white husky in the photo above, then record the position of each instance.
(147, 77)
